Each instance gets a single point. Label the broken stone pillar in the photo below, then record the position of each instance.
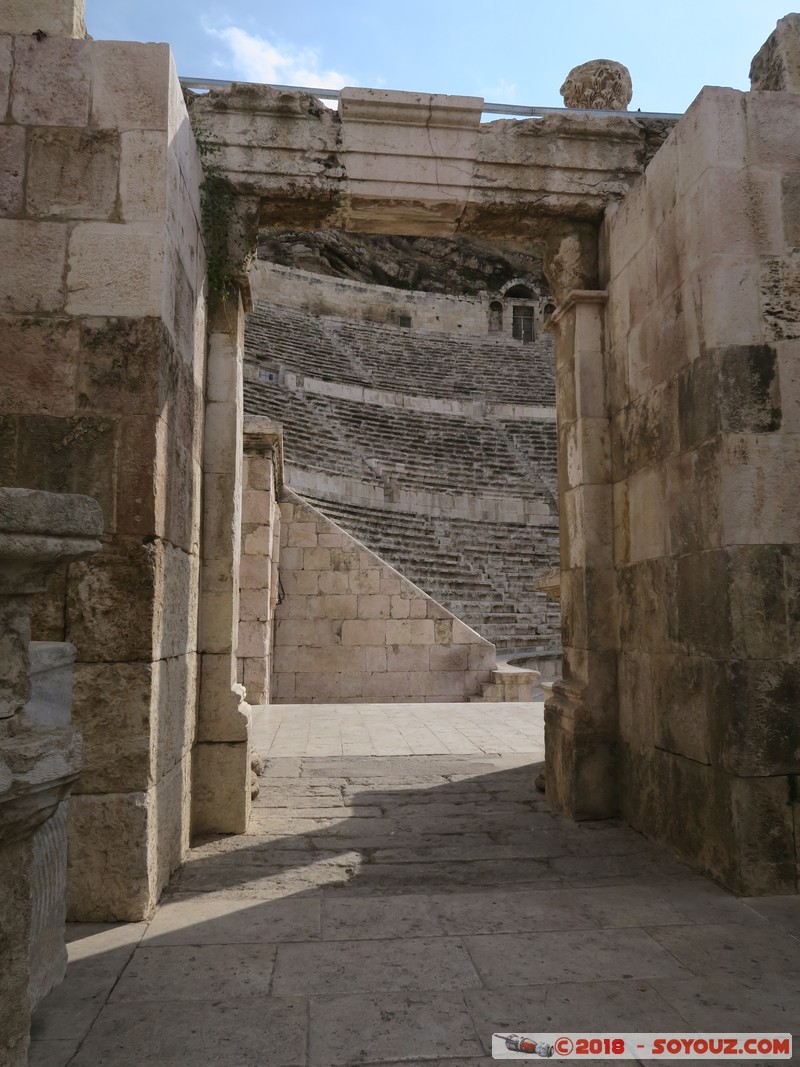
(54, 18)
(581, 715)
(221, 759)
(262, 481)
(39, 759)
(776, 66)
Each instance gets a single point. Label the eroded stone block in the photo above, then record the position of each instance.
(38, 361)
(110, 866)
(72, 173)
(34, 254)
(221, 788)
(51, 84)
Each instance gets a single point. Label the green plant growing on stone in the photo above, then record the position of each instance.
(217, 216)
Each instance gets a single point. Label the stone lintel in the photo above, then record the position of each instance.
(410, 109)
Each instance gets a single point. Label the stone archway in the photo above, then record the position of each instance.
(628, 454)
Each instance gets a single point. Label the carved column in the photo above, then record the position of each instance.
(581, 716)
(38, 764)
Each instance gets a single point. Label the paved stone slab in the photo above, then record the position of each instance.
(754, 1002)
(51, 1053)
(282, 767)
(413, 877)
(507, 911)
(71, 1008)
(197, 972)
(389, 917)
(505, 960)
(593, 870)
(784, 911)
(627, 1006)
(196, 921)
(696, 901)
(730, 948)
(393, 929)
(271, 1033)
(97, 949)
(423, 963)
(267, 881)
(373, 1029)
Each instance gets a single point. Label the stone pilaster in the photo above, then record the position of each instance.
(581, 716)
(262, 479)
(221, 767)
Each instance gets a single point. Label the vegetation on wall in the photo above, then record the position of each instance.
(218, 217)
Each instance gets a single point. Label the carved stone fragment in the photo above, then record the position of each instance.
(600, 85)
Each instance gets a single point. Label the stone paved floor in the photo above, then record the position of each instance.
(399, 908)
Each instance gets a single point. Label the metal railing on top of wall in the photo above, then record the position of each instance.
(521, 110)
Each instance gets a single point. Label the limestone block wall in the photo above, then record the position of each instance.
(102, 365)
(703, 322)
(320, 294)
(350, 629)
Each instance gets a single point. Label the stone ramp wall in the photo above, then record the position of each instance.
(484, 572)
(350, 629)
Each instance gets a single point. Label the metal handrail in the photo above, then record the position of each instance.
(488, 109)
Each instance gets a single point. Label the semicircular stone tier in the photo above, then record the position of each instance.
(438, 452)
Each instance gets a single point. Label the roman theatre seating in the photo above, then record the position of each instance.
(436, 451)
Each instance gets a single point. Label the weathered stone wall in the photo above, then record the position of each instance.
(102, 365)
(320, 294)
(350, 629)
(702, 386)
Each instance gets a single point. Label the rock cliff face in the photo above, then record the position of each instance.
(461, 265)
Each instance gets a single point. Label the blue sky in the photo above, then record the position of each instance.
(515, 51)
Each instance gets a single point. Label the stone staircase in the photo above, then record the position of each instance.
(403, 414)
(383, 356)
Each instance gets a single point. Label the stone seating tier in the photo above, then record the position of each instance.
(483, 572)
(381, 356)
(410, 449)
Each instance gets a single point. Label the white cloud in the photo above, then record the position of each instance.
(504, 92)
(258, 60)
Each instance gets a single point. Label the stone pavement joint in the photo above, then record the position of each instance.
(400, 909)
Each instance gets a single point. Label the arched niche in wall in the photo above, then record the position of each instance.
(496, 317)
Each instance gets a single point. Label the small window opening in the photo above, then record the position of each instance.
(522, 325)
(265, 375)
(405, 321)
